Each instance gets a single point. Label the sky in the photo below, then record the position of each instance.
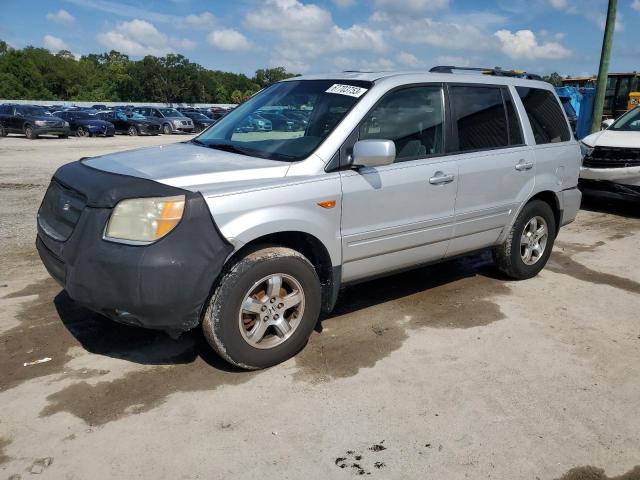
(313, 36)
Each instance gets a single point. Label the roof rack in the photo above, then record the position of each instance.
(497, 72)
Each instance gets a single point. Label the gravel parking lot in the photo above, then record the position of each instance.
(445, 372)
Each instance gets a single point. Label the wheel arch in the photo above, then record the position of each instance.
(308, 245)
(549, 197)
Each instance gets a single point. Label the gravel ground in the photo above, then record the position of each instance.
(445, 372)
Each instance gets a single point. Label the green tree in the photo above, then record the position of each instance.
(268, 76)
(237, 97)
(554, 79)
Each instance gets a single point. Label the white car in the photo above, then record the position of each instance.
(611, 162)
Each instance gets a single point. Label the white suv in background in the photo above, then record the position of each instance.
(251, 234)
(611, 162)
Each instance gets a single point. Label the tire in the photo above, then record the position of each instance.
(228, 327)
(197, 129)
(29, 133)
(132, 131)
(166, 129)
(3, 131)
(81, 132)
(518, 257)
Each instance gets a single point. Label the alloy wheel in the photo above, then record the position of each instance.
(271, 311)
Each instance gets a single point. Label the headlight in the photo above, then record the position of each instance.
(66, 124)
(177, 122)
(41, 123)
(144, 220)
(585, 149)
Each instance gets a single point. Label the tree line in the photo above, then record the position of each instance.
(35, 73)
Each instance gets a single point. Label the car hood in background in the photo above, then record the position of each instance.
(613, 138)
(94, 123)
(189, 166)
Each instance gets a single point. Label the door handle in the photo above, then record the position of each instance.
(522, 166)
(440, 178)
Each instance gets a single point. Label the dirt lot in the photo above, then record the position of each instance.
(446, 372)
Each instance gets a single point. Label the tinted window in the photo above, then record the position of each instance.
(413, 118)
(5, 110)
(480, 116)
(547, 120)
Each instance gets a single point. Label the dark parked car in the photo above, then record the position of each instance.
(200, 121)
(100, 107)
(86, 125)
(32, 120)
(254, 123)
(279, 121)
(132, 124)
(172, 120)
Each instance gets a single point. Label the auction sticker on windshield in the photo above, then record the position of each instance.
(350, 90)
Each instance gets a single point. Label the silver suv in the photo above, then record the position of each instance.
(253, 233)
(172, 120)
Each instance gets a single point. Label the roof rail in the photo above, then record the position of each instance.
(497, 72)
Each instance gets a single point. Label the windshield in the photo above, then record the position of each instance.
(629, 122)
(197, 116)
(171, 112)
(32, 110)
(256, 128)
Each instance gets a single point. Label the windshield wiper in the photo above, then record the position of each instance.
(227, 147)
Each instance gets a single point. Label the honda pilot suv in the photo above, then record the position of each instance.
(251, 234)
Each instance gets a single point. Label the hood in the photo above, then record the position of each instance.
(92, 122)
(177, 118)
(189, 166)
(48, 118)
(613, 138)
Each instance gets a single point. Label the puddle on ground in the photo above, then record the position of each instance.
(593, 473)
(4, 443)
(372, 319)
(563, 262)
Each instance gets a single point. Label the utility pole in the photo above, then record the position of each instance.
(603, 71)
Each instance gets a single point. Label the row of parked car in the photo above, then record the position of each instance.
(99, 120)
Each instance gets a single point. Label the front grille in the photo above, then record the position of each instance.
(60, 211)
(53, 123)
(611, 157)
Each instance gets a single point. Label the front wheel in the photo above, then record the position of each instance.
(81, 132)
(3, 131)
(29, 133)
(166, 129)
(133, 131)
(264, 308)
(528, 246)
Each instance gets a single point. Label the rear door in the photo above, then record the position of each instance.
(496, 167)
(401, 214)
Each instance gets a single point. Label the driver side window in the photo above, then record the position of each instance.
(413, 118)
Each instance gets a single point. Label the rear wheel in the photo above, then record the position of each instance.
(132, 131)
(81, 132)
(264, 308)
(527, 248)
(3, 131)
(166, 129)
(29, 133)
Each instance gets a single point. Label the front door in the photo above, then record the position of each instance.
(400, 215)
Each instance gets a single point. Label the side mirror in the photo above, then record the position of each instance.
(606, 123)
(373, 153)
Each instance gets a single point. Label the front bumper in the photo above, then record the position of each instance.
(609, 189)
(164, 285)
(99, 130)
(52, 131)
(622, 175)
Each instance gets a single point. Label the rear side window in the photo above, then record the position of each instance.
(480, 117)
(413, 118)
(545, 115)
